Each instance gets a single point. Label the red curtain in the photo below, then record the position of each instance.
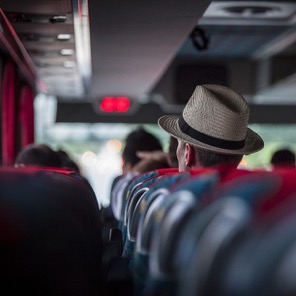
(27, 116)
(8, 115)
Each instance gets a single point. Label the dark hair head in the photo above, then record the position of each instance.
(67, 162)
(283, 157)
(139, 140)
(38, 155)
(209, 159)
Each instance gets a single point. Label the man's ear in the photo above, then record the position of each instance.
(190, 157)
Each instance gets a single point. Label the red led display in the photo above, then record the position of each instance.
(115, 104)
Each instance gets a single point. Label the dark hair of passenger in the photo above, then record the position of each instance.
(173, 144)
(139, 140)
(67, 162)
(283, 157)
(209, 159)
(38, 155)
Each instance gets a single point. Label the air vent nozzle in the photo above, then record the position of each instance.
(251, 10)
(257, 10)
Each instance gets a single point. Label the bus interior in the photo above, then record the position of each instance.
(79, 75)
(153, 54)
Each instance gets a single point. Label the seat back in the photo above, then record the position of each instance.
(240, 257)
(50, 234)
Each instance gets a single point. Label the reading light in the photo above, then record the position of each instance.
(58, 19)
(67, 51)
(64, 37)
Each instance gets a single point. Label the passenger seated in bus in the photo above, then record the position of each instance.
(140, 140)
(136, 141)
(132, 165)
(283, 157)
(67, 162)
(170, 157)
(212, 129)
(43, 156)
(38, 155)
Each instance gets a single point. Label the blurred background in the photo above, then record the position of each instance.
(97, 147)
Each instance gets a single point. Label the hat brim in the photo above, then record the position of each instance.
(253, 142)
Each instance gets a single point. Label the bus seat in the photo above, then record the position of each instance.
(133, 222)
(140, 182)
(135, 195)
(117, 194)
(121, 193)
(285, 189)
(176, 204)
(124, 187)
(168, 259)
(165, 233)
(50, 234)
(134, 191)
(133, 215)
(216, 228)
(251, 187)
(239, 256)
(260, 262)
(196, 185)
(159, 199)
(129, 242)
(157, 188)
(134, 198)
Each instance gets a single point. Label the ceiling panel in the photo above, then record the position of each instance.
(133, 43)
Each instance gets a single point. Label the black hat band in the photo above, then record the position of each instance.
(206, 139)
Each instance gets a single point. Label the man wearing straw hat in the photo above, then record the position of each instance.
(212, 129)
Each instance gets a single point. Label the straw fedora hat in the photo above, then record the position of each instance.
(215, 118)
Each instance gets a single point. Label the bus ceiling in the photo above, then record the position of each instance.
(157, 51)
